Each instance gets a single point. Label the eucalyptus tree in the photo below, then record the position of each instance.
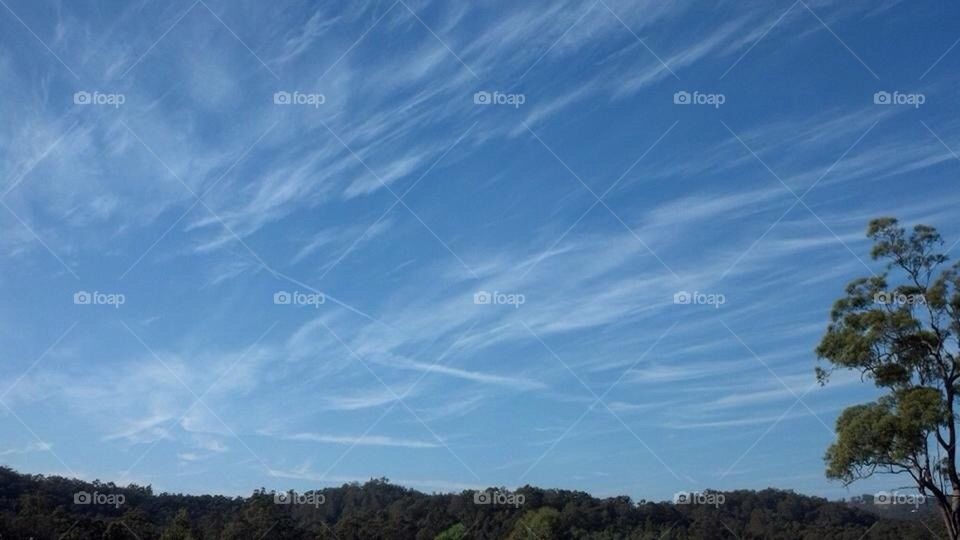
(900, 330)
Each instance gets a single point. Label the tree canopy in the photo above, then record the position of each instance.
(43, 508)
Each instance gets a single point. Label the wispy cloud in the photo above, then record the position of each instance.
(364, 440)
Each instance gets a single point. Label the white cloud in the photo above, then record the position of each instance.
(364, 440)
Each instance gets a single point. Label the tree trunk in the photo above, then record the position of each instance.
(951, 517)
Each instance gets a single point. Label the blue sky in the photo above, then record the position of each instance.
(148, 155)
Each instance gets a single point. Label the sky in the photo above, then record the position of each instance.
(583, 245)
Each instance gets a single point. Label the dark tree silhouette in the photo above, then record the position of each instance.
(42, 508)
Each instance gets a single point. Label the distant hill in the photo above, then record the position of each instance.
(923, 510)
(53, 507)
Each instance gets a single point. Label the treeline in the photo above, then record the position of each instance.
(43, 508)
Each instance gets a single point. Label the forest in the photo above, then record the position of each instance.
(52, 507)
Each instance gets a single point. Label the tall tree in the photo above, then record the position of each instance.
(904, 337)
(457, 532)
(535, 524)
(180, 527)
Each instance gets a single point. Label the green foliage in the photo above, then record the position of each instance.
(457, 532)
(180, 528)
(886, 432)
(41, 508)
(536, 524)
